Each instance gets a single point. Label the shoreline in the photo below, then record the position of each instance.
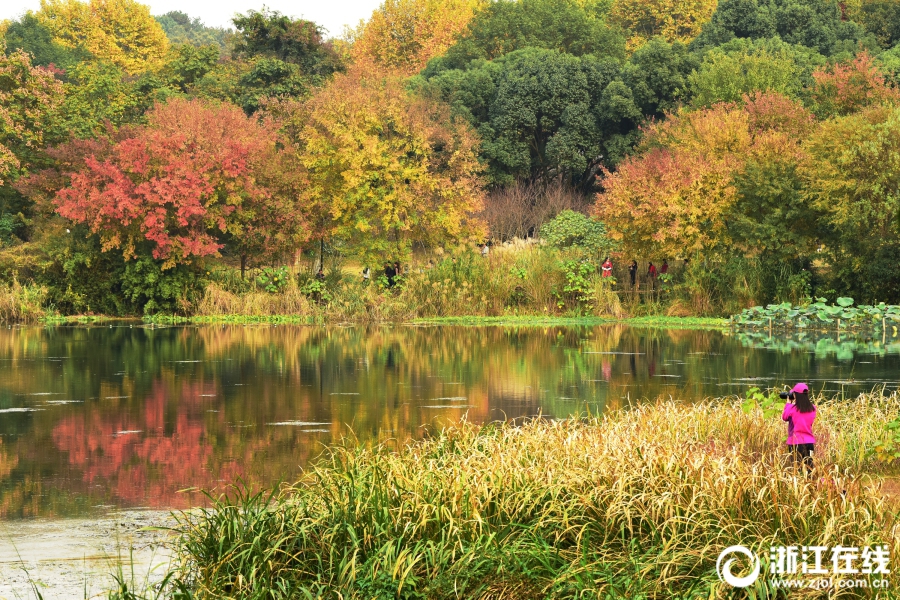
(73, 557)
(718, 323)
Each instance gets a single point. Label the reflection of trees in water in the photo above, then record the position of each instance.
(210, 420)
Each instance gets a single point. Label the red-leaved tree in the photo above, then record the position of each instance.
(197, 176)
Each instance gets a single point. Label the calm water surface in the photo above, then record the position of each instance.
(93, 418)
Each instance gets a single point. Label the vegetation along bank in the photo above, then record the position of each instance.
(637, 504)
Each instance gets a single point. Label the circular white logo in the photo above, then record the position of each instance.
(724, 571)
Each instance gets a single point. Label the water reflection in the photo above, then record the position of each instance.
(128, 416)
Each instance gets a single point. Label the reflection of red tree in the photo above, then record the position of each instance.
(147, 467)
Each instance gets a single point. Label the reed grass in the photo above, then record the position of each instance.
(22, 303)
(636, 504)
(217, 301)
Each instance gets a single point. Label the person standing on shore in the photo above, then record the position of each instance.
(632, 270)
(664, 268)
(800, 415)
(607, 268)
(390, 274)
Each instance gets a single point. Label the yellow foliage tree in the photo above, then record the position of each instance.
(673, 20)
(403, 35)
(121, 32)
(384, 169)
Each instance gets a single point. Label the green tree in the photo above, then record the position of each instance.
(816, 24)
(744, 66)
(272, 35)
(30, 35)
(543, 113)
(657, 75)
(505, 26)
(182, 29)
(882, 19)
(540, 113)
(96, 94)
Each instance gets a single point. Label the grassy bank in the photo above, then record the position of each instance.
(637, 504)
(521, 280)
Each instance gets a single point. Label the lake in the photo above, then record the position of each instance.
(128, 415)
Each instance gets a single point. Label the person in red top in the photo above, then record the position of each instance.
(651, 272)
(800, 415)
(664, 268)
(607, 267)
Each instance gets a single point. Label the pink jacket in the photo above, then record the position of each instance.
(799, 425)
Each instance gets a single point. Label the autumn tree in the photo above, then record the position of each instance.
(385, 170)
(121, 32)
(29, 98)
(672, 20)
(852, 176)
(713, 182)
(403, 35)
(197, 175)
(849, 86)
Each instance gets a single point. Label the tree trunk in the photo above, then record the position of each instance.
(322, 254)
(243, 265)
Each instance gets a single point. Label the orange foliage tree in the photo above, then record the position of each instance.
(850, 86)
(708, 181)
(403, 35)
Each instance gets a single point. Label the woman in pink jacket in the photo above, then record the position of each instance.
(799, 412)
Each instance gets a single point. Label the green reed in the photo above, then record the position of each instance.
(637, 504)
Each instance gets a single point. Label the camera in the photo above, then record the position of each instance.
(786, 395)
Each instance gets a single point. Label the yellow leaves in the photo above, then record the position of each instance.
(403, 35)
(673, 20)
(121, 32)
(384, 163)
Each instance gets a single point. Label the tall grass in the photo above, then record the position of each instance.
(22, 303)
(217, 301)
(634, 505)
(517, 278)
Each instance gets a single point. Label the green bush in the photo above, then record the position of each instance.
(570, 229)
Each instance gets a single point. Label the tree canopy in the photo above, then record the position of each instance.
(121, 32)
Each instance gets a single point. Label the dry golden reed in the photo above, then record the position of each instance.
(637, 504)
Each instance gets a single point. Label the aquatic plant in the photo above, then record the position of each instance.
(819, 314)
(637, 504)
